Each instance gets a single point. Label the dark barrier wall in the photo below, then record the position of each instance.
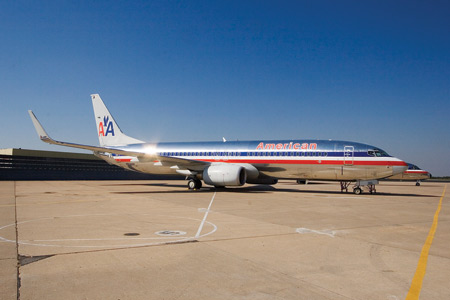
(64, 166)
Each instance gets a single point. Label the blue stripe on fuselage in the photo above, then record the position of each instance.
(331, 148)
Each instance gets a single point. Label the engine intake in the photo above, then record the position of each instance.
(225, 175)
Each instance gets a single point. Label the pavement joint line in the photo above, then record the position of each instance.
(11, 258)
(416, 283)
(17, 244)
(389, 225)
(295, 233)
(187, 240)
(178, 242)
(251, 237)
(393, 247)
(52, 202)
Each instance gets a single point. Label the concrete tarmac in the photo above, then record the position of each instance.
(158, 240)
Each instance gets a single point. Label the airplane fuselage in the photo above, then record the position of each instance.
(283, 159)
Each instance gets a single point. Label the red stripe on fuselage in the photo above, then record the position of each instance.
(310, 162)
(415, 172)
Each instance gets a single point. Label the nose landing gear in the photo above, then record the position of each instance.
(357, 188)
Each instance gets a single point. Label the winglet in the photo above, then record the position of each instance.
(39, 129)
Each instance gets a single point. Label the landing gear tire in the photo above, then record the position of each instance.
(191, 184)
(417, 183)
(357, 191)
(194, 184)
(198, 185)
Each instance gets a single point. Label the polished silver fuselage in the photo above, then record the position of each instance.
(286, 159)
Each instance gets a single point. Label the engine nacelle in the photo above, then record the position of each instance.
(225, 175)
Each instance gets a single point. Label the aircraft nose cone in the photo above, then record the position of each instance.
(399, 169)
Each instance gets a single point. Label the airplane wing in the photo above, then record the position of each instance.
(47, 139)
(164, 160)
(183, 164)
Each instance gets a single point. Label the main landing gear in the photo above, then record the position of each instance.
(357, 188)
(194, 184)
(418, 183)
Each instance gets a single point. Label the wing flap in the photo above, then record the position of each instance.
(182, 163)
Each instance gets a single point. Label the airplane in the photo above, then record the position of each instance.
(234, 163)
(412, 173)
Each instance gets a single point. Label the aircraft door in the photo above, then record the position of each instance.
(349, 152)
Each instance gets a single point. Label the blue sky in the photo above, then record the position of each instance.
(376, 72)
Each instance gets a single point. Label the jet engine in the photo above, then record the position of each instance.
(225, 175)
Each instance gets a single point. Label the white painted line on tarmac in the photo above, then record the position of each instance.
(140, 241)
(204, 217)
(325, 232)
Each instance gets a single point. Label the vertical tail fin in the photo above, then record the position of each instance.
(109, 133)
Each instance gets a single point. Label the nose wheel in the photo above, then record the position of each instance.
(357, 191)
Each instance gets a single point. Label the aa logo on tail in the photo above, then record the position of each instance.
(109, 127)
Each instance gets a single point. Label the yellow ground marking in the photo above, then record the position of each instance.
(416, 284)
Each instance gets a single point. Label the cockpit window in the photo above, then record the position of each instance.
(377, 153)
(413, 167)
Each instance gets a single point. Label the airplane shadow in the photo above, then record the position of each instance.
(251, 189)
(350, 194)
(254, 189)
(147, 184)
